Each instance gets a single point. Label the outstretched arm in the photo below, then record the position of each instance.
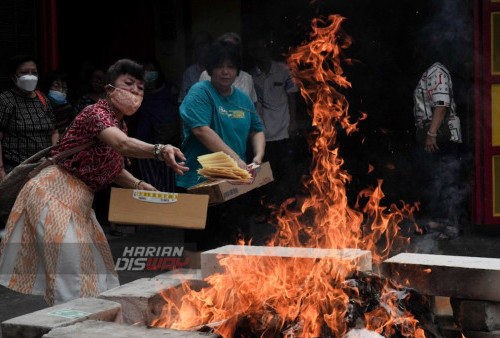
(132, 147)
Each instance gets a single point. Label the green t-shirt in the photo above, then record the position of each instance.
(232, 117)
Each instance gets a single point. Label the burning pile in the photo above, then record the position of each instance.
(329, 298)
(261, 299)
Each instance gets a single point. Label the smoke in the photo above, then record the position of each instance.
(445, 194)
(449, 21)
(451, 188)
(448, 31)
(427, 244)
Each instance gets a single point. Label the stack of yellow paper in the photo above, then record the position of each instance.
(221, 165)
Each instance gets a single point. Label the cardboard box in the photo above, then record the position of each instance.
(140, 207)
(223, 190)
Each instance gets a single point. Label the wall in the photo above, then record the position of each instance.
(19, 33)
(216, 17)
(170, 37)
(188, 18)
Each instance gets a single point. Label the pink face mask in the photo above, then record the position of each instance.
(123, 100)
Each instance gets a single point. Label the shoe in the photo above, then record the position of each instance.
(450, 233)
(433, 226)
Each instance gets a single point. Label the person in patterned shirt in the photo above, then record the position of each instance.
(55, 207)
(438, 161)
(27, 121)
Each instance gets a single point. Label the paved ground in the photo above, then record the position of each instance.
(471, 243)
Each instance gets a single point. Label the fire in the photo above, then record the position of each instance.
(289, 299)
(317, 66)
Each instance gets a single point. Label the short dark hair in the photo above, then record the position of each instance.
(158, 67)
(49, 78)
(124, 66)
(18, 60)
(220, 51)
(230, 36)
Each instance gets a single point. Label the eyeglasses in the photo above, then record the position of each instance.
(58, 86)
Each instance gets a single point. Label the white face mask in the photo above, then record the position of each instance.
(27, 82)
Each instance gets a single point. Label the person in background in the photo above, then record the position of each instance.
(55, 86)
(191, 75)
(93, 88)
(219, 117)
(27, 122)
(439, 166)
(244, 80)
(53, 244)
(158, 121)
(276, 106)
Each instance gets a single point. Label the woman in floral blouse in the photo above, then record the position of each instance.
(53, 244)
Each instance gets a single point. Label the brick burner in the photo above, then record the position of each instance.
(470, 283)
(137, 303)
(127, 311)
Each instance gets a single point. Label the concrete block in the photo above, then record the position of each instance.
(190, 276)
(476, 315)
(182, 274)
(442, 306)
(194, 259)
(141, 300)
(481, 334)
(448, 276)
(210, 263)
(37, 323)
(450, 332)
(96, 329)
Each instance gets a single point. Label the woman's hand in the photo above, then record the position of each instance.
(169, 153)
(257, 159)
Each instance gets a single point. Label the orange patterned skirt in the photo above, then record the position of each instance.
(53, 244)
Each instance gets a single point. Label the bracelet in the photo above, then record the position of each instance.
(137, 183)
(431, 134)
(157, 152)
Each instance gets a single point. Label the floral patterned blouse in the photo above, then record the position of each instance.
(98, 165)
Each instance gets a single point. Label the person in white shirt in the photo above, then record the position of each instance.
(437, 156)
(276, 93)
(434, 107)
(201, 42)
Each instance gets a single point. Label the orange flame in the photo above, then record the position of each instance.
(289, 297)
(317, 66)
